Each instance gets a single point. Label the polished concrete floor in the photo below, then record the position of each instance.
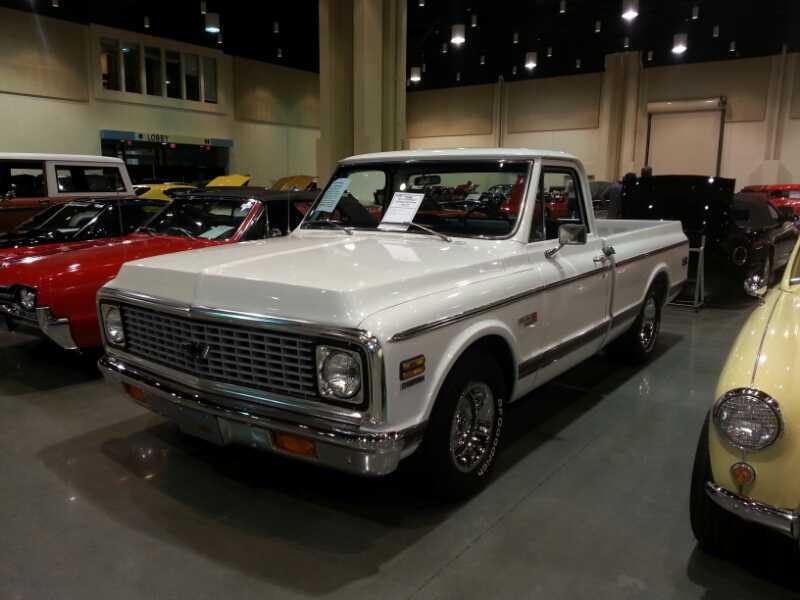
(99, 499)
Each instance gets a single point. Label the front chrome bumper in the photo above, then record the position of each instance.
(338, 445)
(784, 521)
(41, 322)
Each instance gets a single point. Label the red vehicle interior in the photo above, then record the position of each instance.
(786, 194)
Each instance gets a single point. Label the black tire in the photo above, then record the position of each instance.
(474, 372)
(638, 343)
(713, 527)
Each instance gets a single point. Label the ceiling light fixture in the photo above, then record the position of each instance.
(279, 53)
(695, 12)
(514, 70)
(530, 60)
(424, 67)
(421, 3)
(630, 10)
(212, 22)
(715, 31)
(598, 26)
(626, 43)
(203, 9)
(515, 37)
(54, 3)
(680, 43)
(578, 63)
(146, 22)
(549, 52)
(474, 21)
(416, 75)
(732, 47)
(458, 34)
(562, 7)
(649, 56)
(458, 76)
(444, 48)
(276, 27)
(219, 39)
(483, 59)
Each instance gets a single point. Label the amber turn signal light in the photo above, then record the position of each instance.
(743, 474)
(294, 444)
(413, 367)
(135, 392)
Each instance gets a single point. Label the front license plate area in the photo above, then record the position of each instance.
(190, 421)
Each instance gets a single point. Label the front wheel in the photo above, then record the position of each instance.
(465, 427)
(637, 344)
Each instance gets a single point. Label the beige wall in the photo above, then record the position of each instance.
(580, 114)
(35, 117)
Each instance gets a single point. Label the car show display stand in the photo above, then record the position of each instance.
(697, 298)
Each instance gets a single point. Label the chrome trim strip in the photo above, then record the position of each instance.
(651, 253)
(445, 321)
(372, 452)
(376, 411)
(784, 521)
(626, 315)
(548, 357)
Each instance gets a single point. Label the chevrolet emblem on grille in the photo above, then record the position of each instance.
(196, 351)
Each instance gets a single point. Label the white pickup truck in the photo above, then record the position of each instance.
(423, 291)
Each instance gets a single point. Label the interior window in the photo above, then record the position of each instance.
(130, 60)
(152, 71)
(21, 180)
(109, 63)
(558, 201)
(191, 68)
(75, 179)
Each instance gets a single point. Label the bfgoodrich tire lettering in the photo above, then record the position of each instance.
(465, 427)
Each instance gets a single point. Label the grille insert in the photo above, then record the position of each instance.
(245, 356)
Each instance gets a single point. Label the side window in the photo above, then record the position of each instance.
(75, 179)
(368, 187)
(137, 214)
(106, 225)
(21, 180)
(558, 201)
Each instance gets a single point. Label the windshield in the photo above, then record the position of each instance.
(466, 199)
(207, 218)
(71, 219)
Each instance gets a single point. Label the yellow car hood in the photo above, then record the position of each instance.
(232, 180)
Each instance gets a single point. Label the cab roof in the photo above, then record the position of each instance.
(459, 154)
(73, 158)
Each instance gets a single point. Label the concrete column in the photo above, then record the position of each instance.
(619, 113)
(335, 84)
(362, 78)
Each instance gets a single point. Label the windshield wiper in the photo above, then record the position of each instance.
(438, 234)
(182, 231)
(335, 224)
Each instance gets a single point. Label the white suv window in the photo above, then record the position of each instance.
(76, 179)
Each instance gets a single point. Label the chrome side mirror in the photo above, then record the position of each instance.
(569, 234)
(756, 286)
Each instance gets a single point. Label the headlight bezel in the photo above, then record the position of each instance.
(323, 353)
(755, 395)
(107, 308)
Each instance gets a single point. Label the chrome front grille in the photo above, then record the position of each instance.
(245, 356)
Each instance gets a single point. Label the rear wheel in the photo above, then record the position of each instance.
(637, 344)
(465, 427)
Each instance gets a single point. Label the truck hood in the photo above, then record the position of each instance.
(333, 278)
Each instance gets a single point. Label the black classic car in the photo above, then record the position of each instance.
(743, 235)
(81, 220)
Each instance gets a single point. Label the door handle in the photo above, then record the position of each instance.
(598, 260)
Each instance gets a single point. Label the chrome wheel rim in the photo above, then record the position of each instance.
(473, 426)
(649, 328)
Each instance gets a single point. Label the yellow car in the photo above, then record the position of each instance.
(157, 191)
(749, 450)
(295, 183)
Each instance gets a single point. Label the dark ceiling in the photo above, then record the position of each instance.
(759, 27)
(247, 27)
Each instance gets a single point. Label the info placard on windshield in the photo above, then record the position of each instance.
(402, 210)
(332, 195)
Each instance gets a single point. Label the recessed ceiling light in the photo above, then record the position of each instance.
(562, 7)
(416, 75)
(515, 37)
(578, 63)
(458, 34)
(276, 27)
(715, 31)
(530, 60)
(732, 47)
(549, 52)
(474, 21)
(203, 9)
(680, 43)
(212, 22)
(146, 22)
(695, 12)
(598, 26)
(626, 42)
(444, 48)
(630, 10)
(483, 59)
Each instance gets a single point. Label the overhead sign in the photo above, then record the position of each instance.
(162, 138)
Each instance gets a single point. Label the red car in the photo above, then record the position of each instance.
(54, 295)
(784, 194)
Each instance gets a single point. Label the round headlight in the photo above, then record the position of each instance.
(748, 419)
(339, 373)
(27, 298)
(112, 321)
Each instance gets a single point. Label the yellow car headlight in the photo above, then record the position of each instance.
(748, 419)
